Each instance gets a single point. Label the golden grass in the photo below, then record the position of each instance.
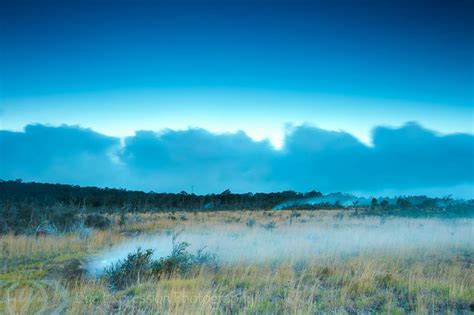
(405, 281)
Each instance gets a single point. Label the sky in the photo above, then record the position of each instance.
(245, 78)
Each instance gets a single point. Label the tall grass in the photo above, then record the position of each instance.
(406, 280)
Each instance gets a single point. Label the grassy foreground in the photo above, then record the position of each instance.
(46, 274)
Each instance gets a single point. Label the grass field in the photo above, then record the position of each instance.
(268, 262)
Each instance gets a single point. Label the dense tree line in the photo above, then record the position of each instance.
(27, 205)
(30, 207)
(115, 200)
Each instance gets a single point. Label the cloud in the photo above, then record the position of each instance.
(57, 154)
(403, 158)
(415, 157)
(196, 157)
(409, 158)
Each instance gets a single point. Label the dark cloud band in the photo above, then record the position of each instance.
(409, 157)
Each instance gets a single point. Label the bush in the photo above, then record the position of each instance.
(84, 232)
(295, 214)
(205, 258)
(97, 221)
(140, 265)
(269, 226)
(46, 228)
(131, 270)
(180, 261)
(250, 222)
(65, 221)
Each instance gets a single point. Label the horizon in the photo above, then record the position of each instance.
(228, 190)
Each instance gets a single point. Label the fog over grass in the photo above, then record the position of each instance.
(299, 240)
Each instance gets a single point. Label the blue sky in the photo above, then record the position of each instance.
(262, 67)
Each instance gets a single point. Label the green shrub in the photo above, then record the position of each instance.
(180, 261)
(206, 259)
(140, 265)
(131, 270)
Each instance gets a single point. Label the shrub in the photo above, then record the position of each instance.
(122, 219)
(97, 221)
(140, 265)
(295, 214)
(180, 261)
(203, 258)
(135, 267)
(65, 221)
(46, 228)
(250, 222)
(84, 232)
(269, 226)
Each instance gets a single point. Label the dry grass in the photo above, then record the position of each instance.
(398, 282)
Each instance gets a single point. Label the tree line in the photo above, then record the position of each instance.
(26, 206)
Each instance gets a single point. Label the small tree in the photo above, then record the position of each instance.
(374, 203)
(122, 219)
(403, 203)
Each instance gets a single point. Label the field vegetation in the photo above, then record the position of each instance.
(47, 273)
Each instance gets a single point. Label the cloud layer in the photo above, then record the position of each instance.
(409, 158)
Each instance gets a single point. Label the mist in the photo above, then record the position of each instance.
(321, 237)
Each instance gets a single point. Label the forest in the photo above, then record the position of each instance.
(27, 206)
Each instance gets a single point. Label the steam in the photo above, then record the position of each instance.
(347, 200)
(238, 243)
(332, 198)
